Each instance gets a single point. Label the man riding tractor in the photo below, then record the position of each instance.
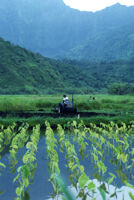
(66, 106)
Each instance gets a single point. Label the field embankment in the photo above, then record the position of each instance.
(34, 109)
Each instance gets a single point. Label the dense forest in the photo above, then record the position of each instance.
(115, 77)
(24, 72)
(88, 52)
(58, 31)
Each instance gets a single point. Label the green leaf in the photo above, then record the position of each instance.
(2, 165)
(112, 178)
(17, 198)
(103, 194)
(131, 196)
(103, 187)
(29, 145)
(18, 191)
(25, 196)
(25, 159)
(74, 123)
(16, 178)
(97, 176)
(113, 195)
(91, 186)
(25, 171)
(81, 193)
(19, 169)
(2, 191)
(129, 185)
(68, 195)
(81, 168)
(83, 179)
(26, 182)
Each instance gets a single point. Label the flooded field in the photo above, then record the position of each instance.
(96, 162)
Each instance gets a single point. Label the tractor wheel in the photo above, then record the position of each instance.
(60, 110)
(75, 110)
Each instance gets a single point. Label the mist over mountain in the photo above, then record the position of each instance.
(112, 37)
(56, 30)
(49, 27)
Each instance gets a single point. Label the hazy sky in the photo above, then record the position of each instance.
(94, 5)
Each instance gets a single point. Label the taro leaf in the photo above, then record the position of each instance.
(19, 169)
(112, 178)
(81, 193)
(26, 182)
(103, 187)
(67, 194)
(83, 179)
(102, 192)
(25, 171)
(113, 195)
(91, 186)
(74, 123)
(2, 191)
(84, 197)
(18, 191)
(25, 196)
(2, 165)
(16, 178)
(33, 169)
(131, 196)
(129, 185)
(13, 170)
(97, 176)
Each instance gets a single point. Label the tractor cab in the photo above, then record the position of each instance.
(66, 106)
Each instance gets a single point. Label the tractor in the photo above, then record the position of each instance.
(66, 107)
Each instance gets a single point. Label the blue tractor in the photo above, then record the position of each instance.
(67, 107)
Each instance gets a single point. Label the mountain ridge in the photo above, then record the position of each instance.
(56, 30)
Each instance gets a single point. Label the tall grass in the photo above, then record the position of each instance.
(47, 102)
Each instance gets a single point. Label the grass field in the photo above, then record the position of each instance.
(122, 106)
(107, 103)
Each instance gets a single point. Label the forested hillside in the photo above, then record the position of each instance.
(56, 30)
(23, 72)
(113, 77)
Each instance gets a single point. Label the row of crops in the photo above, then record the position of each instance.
(100, 144)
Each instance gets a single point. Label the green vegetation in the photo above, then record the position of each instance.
(106, 108)
(23, 72)
(115, 77)
(32, 85)
(109, 138)
(102, 103)
(121, 89)
(128, 119)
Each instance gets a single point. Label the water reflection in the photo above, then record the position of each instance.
(41, 188)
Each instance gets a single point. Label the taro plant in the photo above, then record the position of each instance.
(27, 170)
